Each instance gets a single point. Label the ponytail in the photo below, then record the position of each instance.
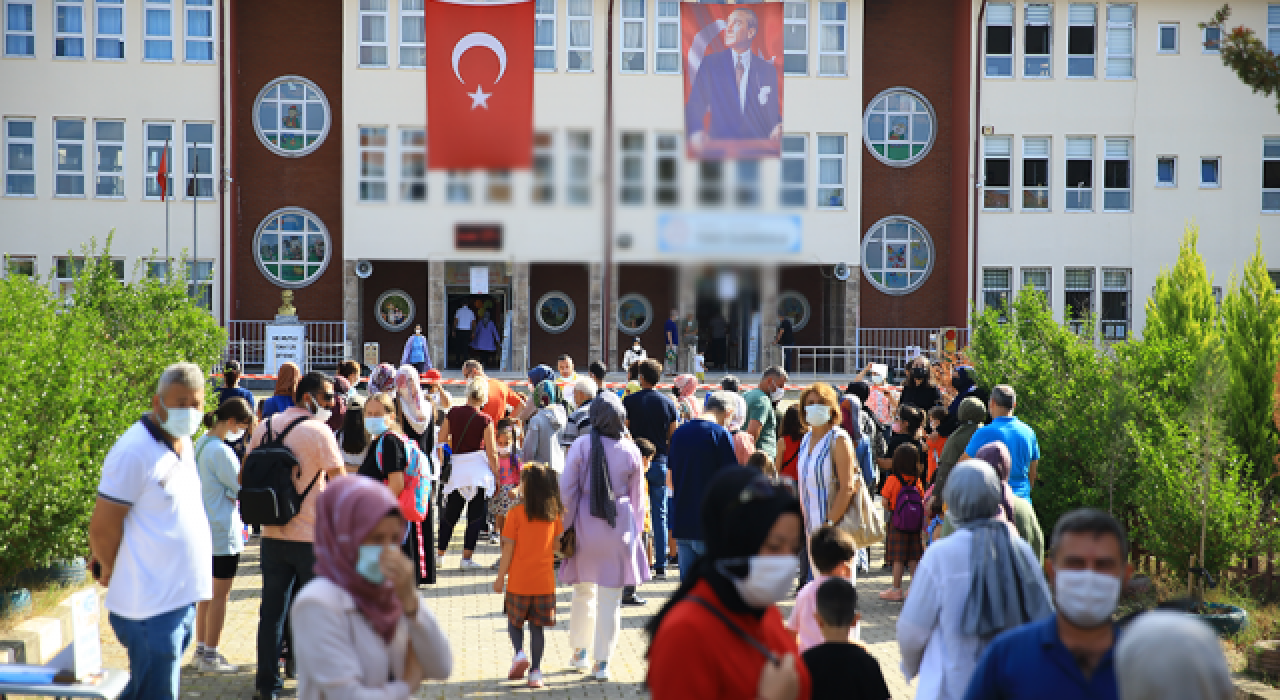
(234, 407)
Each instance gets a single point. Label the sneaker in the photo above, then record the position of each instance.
(634, 601)
(519, 665)
(439, 562)
(659, 575)
(493, 538)
(601, 672)
(215, 663)
(470, 564)
(535, 679)
(579, 660)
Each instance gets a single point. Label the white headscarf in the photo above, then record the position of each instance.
(739, 412)
(1167, 655)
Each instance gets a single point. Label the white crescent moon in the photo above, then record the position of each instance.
(487, 41)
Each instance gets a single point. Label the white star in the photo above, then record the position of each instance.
(479, 98)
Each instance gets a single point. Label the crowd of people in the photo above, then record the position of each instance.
(356, 498)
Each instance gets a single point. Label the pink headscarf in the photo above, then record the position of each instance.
(382, 380)
(346, 513)
(687, 384)
(409, 387)
(997, 455)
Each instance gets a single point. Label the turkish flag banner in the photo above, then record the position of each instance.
(479, 84)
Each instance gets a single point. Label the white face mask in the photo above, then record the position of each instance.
(817, 414)
(234, 436)
(1086, 598)
(777, 394)
(182, 422)
(769, 578)
(321, 413)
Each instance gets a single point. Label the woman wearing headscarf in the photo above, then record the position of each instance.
(338, 416)
(286, 384)
(382, 380)
(603, 491)
(537, 375)
(743, 444)
(971, 413)
(417, 420)
(851, 420)
(965, 384)
(1016, 511)
(968, 588)
(684, 387)
(542, 440)
(1167, 655)
(360, 629)
(721, 634)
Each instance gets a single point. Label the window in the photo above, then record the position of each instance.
(199, 30)
(1117, 170)
(1082, 38)
(578, 189)
(999, 40)
(159, 136)
(635, 314)
(66, 270)
(555, 312)
(793, 170)
(897, 255)
(1217, 296)
(24, 265)
(68, 28)
(157, 44)
(1035, 174)
(831, 38)
(1115, 304)
(1038, 279)
(413, 34)
(996, 289)
(1273, 28)
(291, 116)
(580, 36)
(1167, 171)
(1167, 37)
(1271, 175)
(544, 167)
(899, 127)
(710, 183)
(1275, 279)
(996, 169)
(413, 165)
(633, 31)
(292, 247)
(373, 164)
(108, 137)
(631, 176)
(498, 189)
(747, 184)
(109, 30)
(544, 35)
(68, 179)
(1037, 58)
(831, 172)
(19, 29)
(666, 190)
(1211, 40)
(795, 38)
(19, 158)
(373, 33)
(1210, 175)
(1079, 181)
(199, 165)
(1078, 296)
(666, 50)
(199, 279)
(1120, 41)
(457, 187)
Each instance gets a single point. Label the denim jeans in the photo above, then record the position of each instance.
(155, 647)
(690, 550)
(287, 566)
(657, 478)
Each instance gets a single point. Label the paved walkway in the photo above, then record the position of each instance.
(472, 615)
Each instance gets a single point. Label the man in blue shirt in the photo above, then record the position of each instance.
(1016, 435)
(699, 450)
(1068, 656)
(652, 416)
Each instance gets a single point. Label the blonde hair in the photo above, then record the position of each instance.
(388, 403)
(827, 396)
(478, 390)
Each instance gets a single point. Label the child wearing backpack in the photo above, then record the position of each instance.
(508, 493)
(902, 495)
(398, 462)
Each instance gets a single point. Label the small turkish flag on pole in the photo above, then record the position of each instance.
(162, 172)
(479, 84)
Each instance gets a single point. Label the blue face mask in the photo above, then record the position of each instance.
(376, 425)
(182, 422)
(368, 565)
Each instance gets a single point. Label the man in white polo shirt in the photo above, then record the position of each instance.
(464, 320)
(149, 536)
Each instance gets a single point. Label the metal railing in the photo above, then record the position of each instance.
(888, 346)
(326, 344)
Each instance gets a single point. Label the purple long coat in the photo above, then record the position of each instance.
(609, 557)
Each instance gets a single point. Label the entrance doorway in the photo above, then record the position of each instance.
(728, 316)
(492, 306)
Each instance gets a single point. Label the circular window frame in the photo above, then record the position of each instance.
(804, 304)
(866, 131)
(257, 250)
(555, 294)
(648, 306)
(262, 137)
(928, 270)
(408, 321)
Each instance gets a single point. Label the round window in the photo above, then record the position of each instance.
(291, 116)
(555, 312)
(899, 127)
(897, 255)
(395, 310)
(635, 314)
(291, 247)
(794, 306)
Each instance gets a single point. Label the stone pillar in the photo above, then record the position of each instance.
(852, 298)
(437, 308)
(520, 321)
(686, 303)
(351, 311)
(595, 312)
(769, 354)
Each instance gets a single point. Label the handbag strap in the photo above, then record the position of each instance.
(736, 629)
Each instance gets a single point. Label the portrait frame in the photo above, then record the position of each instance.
(561, 307)
(395, 310)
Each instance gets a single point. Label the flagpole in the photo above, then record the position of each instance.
(195, 198)
(164, 192)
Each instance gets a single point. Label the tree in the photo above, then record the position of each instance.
(1251, 329)
(1243, 52)
(1182, 304)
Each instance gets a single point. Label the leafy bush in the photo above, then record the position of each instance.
(1251, 327)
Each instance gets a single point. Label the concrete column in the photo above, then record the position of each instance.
(595, 312)
(769, 354)
(852, 299)
(520, 321)
(351, 311)
(686, 303)
(611, 318)
(437, 307)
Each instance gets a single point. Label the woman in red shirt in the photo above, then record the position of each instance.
(792, 431)
(721, 635)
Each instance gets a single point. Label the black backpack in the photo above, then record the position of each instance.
(267, 493)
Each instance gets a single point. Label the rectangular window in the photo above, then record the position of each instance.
(200, 284)
(1167, 37)
(666, 48)
(66, 270)
(19, 29)
(832, 38)
(795, 38)
(457, 187)
(1273, 28)
(631, 167)
(793, 169)
(413, 34)
(999, 42)
(108, 31)
(996, 173)
(1078, 296)
(995, 289)
(1117, 175)
(1039, 280)
(158, 137)
(498, 187)
(1115, 304)
(373, 33)
(1035, 174)
(108, 139)
(632, 36)
(1037, 55)
(831, 172)
(1167, 171)
(1079, 180)
(1211, 40)
(373, 164)
(198, 171)
(68, 29)
(544, 167)
(68, 137)
(1210, 172)
(413, 165)
(666, 170)
(1275, 279)
(544, 35)
(578, 189)
(157, 34)
(199, 31)
(1082, 39)
(710, 183)
(1120, 41)
(24, 265)
(1217, 296)
(1271, 175)
(580, 36)
(746, 186)
(19, 158)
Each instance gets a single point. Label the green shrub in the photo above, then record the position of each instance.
(1251, 327)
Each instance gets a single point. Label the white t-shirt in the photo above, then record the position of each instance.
(465, 317)
(165, 556)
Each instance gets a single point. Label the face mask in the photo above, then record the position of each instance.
(921, 373)
(234, 436)
(368, 565)
(769, 578)
(1086, 598)
(817, 414)
(182, 422)
(504, 451)
(777, 394)
(376, 425)
(321, 413)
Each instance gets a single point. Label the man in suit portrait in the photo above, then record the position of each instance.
(740, 90)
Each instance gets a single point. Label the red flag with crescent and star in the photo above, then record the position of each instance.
(479, 84)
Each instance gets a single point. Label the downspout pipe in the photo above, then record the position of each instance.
(223, 185)
(606, 306)
(977, 149)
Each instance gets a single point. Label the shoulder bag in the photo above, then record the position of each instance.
(861, 520)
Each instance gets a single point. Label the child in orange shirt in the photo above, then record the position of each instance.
(903, 547)
(529, 543)
(935, 442)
